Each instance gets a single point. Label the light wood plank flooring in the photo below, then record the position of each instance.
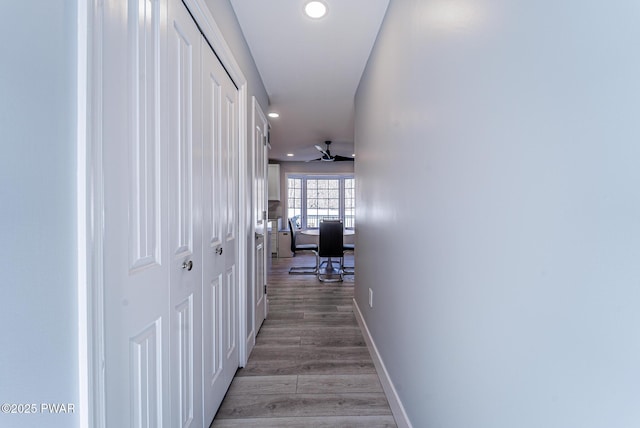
(310, 366)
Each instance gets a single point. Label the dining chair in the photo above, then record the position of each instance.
(328, 219)
(348, 248)
(299, 248)
(331, 246)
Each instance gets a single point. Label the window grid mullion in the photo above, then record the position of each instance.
(326, 199)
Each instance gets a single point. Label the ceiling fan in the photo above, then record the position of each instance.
(326, 154)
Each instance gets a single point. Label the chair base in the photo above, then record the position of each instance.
(330, 276)
(329, 273)
(324, 263)
(348, 270)
(303, 270)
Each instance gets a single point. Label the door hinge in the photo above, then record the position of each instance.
(265, 289)
(264, 215)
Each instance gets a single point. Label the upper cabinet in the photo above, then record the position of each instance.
(274, 182)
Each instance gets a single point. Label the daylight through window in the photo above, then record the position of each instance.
(313, 198)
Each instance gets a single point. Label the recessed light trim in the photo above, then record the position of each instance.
(315, 9)
(273, 114)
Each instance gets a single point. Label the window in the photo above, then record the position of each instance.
(294, 199)
(349, 202)
(312, 198)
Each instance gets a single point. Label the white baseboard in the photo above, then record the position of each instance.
(399, 414)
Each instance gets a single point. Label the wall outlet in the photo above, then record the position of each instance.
(370, 298)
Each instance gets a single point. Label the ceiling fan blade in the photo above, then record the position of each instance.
(326, 154)
(322, 159)
(343, 158)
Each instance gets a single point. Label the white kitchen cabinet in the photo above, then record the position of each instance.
(274, 182)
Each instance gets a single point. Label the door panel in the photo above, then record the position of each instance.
(213, 226)
(230, 130)
(260, 284)
(220, 129)
(230, 297)
(136, 290)
(229, 144)
(146, 389)
(185, 219)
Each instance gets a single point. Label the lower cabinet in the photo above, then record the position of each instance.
(284, 244)
(273, 237)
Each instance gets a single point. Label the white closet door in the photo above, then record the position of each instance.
(171, 218)
(220, 216)
(185, 217)
(136, 254)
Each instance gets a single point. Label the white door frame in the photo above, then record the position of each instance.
(90, 198)
(258, 119)
(90, 210)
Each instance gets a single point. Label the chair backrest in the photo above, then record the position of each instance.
(331, 236)
(292, 231)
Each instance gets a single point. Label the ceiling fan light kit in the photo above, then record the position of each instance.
(326, 154)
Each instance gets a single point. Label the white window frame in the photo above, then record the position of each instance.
(303, 208)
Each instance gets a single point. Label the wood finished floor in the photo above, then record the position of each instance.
(310, 366)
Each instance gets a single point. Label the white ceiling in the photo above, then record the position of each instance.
(310, 68)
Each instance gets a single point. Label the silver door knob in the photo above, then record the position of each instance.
(187, 265)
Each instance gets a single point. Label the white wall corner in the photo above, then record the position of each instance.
(399, 414)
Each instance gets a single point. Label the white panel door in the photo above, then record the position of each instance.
(136, 256)
(230, 294)
(185, 217)
(220, 218)
(260, 214)
(171, 219)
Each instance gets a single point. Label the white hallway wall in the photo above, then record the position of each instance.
(38, 348)
(499, 211)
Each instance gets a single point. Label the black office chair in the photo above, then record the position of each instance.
(348, 248)
(298, 248)
(330, 246)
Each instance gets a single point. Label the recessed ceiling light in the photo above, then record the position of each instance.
(353, 155)
(290, 155)
(315, 9)
(273, 114)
